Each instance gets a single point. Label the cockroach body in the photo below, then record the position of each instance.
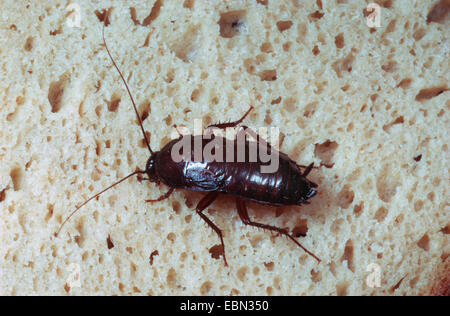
(287, 186)
(243, 180)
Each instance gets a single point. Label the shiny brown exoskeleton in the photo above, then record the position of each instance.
(242, 180)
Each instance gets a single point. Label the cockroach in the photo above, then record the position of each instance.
(288, 185)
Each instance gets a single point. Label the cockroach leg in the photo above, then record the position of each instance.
(232, 124)
(308, 170)
(206, 201)
(322, 164)
(140, 179)
(176, 127)
(162, 197)
(243, 214)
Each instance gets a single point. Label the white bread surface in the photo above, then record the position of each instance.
(371, 101)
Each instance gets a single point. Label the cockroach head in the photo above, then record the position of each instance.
(150, 169)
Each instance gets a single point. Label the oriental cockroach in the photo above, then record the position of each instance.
(242, 179)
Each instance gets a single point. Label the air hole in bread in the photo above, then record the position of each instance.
(316, 276)
(358, 208)
(168, 120)
(109, 243)
(185, 47)
(290, 104)
(339, 40)
(310, 109)
(216, 251)
(336, 226)
(395, 287)
(205, 288)
(325, 151)
(3, 195)
(424, 242)
(317, 15)
(342, 288)
(232, 23)
(256, 240)
(16, 175)
(418, 205)
(419, 34)
(195, 95)
(399, 219)
(387, 183)
(188, 4)
(269, 266)
(171, 278)
(28, 44)
(287, 46)
(152, 256)
(171, 237)
(112, 200)
(284, 25)
(176, 206)
(405, 83)
(56, 32)
(276, 101)
(144, 109)
(268, 119)
(348, 255)
(316, 50)
(391, 66)
(345, 197)
(170, 76)
(398, 120)
(79, 239)
(381, 214)
(343, 65)
(242, 273)
(266, 47)
(429, 93)
(56, 92)
(301, 228)
(268, 75)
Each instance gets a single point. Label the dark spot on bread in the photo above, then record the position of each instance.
(109, 242)
(429, 93)
(232, 23)
(216, 251)
(316, 15)
(418, 158)
(284, 25)
(152, 255)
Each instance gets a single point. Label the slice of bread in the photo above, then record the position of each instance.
(370, 100)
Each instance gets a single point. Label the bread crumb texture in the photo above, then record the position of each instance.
(372, 102)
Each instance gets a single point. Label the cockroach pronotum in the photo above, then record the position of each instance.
(288, 185)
